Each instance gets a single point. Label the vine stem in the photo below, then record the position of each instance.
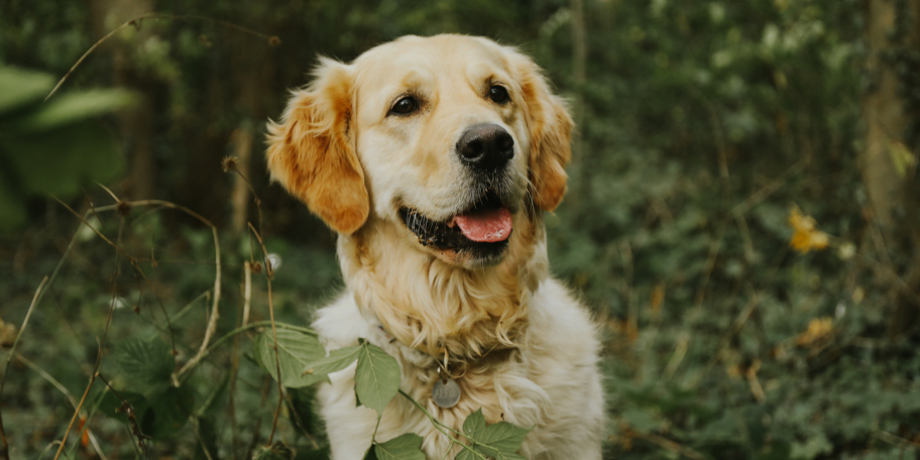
(453, 443)
(271, 313)
(39, 293)
(443, 428)
(105, 332)
(9, 359)
(373, 436)
(120, 206)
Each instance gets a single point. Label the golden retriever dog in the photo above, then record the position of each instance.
(434, 159)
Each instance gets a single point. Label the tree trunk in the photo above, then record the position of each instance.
(253, 72)
(888, 163)
(240, 197)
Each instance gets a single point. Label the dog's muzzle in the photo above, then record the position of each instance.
(485, 148)
(483, 228)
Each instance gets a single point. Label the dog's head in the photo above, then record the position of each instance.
(450, 137)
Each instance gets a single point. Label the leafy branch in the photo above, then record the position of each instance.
(303, 361)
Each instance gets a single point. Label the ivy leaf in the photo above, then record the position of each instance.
(376, 378)
(405, 447)
(500, 440)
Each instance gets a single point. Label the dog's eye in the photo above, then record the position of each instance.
(405, 106)
(498, 94)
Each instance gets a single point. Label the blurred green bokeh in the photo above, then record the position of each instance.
(700, 125)
(53, 148)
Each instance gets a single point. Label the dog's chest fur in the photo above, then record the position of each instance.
(550, 382)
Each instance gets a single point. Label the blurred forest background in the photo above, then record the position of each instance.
(742, 215)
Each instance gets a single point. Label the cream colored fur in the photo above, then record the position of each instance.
(527, 348)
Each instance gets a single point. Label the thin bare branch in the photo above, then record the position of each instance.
(133, 427)
(272, 40)
(5, 450)
(60, 387)
(101, 342)
(897, 440)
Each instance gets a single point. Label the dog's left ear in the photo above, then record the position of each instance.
(311, 151)
(550, 134)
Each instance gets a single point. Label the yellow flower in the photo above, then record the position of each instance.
(807, 236)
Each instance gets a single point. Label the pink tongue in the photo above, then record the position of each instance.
(487, 226)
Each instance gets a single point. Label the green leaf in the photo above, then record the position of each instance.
(303, 415)
(405, 447)
(74, 107)
(145, 361)
(371, 453)
(466, 455)
(303, 362)
(295, 351)
(302, 358)
(501, 440)
(62, 160)
(336, 361)
(19, 87)
(168, 412)
(376, 378)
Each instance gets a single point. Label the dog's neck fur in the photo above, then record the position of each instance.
(464, 313)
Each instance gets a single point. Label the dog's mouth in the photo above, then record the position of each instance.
(483, 228)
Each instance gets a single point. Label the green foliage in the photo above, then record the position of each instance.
(500, 440)
(54, 147)
(161, 409)
(699, 125)
(403, 447)
(296, 352)
(144, 361)
(376, 377)
(303, 361)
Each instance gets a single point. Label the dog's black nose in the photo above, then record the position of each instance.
(486, 147)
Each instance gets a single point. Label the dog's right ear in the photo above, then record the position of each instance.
(311, 151)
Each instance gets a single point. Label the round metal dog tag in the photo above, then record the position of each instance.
(445, 393)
